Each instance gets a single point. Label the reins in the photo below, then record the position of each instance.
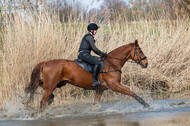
(121, 59)
(115, 69)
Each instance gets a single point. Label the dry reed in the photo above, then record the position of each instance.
(26, 43)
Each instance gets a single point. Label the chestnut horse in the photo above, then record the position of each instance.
(57, 73)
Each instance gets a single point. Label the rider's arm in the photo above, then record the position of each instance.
(91, 40)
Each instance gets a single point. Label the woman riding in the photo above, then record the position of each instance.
(88, 44)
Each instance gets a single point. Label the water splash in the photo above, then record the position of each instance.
(17, 111)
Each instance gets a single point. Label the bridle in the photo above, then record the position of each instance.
(139, 57)
(135, 53)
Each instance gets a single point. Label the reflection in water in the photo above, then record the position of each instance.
(74, 122)
(143, 119)
(168, 119)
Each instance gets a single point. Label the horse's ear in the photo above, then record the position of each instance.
(136, 42)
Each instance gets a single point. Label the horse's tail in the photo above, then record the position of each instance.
(34, 81)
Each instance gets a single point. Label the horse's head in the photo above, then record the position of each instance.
(138, 56)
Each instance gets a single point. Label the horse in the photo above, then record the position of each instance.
(56, 73)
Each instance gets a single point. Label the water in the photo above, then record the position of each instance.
(161, 112)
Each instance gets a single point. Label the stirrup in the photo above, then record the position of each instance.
(97, 83)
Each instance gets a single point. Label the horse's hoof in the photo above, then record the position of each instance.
(146, 105)
(50, 101)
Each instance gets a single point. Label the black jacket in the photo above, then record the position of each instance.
(88, 44)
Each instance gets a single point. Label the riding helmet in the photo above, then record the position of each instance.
(92, 26)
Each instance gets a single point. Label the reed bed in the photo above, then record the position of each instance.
(26, 43)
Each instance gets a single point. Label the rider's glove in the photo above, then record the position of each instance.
(104, 54)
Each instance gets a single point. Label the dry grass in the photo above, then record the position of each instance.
(165, 43)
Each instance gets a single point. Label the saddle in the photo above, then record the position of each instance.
(88, 67)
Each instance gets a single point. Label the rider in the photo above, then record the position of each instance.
(88, 44)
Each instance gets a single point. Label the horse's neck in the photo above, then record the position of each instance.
(120, 53)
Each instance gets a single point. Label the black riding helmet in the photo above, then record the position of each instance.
(92, 26)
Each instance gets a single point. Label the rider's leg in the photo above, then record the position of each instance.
(96, 70)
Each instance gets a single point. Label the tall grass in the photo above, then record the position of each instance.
(43, 37)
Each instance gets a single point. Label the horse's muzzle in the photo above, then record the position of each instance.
(144, 65)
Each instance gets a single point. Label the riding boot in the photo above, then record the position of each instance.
(96, 71)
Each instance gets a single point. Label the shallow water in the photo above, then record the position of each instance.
(162, 112)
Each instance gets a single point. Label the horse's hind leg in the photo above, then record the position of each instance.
(49, 88)
(45, 98)
(50, 100)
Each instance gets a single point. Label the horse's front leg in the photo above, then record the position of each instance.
(117, 87)
(98, 94)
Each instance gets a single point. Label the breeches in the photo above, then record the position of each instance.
(87, 57)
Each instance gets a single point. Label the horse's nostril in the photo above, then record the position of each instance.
(144, 65)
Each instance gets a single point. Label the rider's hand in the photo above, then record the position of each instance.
(104, 54)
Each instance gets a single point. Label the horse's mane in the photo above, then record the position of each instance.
(119, 48)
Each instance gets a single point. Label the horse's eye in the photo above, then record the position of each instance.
(140, 51)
